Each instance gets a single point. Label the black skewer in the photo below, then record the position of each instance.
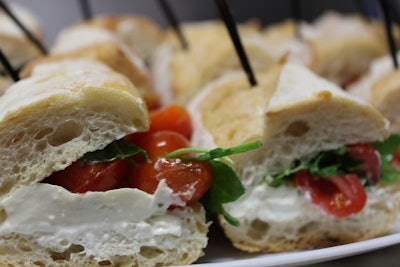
(86, 10)
(173, 21)
(389, 32)
(31, 37)
(7, 66)
(296, 15)
(233, 32)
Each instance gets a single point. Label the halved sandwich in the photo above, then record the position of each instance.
(83, 181)
(322, 177)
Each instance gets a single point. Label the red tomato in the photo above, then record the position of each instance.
(157, 144)
(190, 180)
(90, 177)
(371, 166)
(396, 160)
(171, 118)
(337, 195)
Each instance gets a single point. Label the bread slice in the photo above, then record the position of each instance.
(380, 86)
(344, 46)
(51, 119)
(138, 33)
(89, 42)
(48, 121)
(178, 74)
(14, 44)
(335, 46)
(296, 115)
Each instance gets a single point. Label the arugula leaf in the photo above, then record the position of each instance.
(389, 146)
(226, 187)
(118, 149)
(339, 162)
(386, 149)
(323, 164)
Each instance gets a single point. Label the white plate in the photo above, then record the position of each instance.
(220, 253)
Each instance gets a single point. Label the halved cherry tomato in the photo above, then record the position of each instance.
(396, 160)
(371, 166)
(171, 118)
(190, 180)
(337, 195)
(90, 177)
(157, 144)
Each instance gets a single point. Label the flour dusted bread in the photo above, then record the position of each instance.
(14, 44)
(335, 46)
(380, 86)
(48, 121)
(296, 115)
(178, 74)
(94, 43)
(141, 35)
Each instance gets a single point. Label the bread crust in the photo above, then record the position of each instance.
(58, 118)
(295, 114)
(22, 250)
(211, 55)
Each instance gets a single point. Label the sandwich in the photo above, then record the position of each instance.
(72, 192)
(336, 47)
(140, 34)
(380, 86)
(178, 74)
(323, 176)
(94, 43)
(15, 45)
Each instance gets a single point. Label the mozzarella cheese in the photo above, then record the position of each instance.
(57, 218)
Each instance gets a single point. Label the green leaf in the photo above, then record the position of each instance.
(119, 149)
(386, 149)
(226, 187)
(325, 163)
(388, 146)
(214, 153)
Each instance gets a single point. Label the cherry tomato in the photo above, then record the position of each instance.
(171, 118)
(157, 144)
(371, 166)
(396, 160)
(90, 177)
(190, 180)
(337, 195)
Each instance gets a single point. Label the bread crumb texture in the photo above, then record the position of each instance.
(61, 117)
(308, 227)
(161, 250)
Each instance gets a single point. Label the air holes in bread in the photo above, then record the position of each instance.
(3, 215)
(297, 128)
(258, 229)
(150, 252)
(42, 133)
(64, 132)
(66, 255)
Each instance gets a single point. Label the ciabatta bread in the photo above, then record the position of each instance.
(89, 42)
(138, 33)
(14, 43)
(178, 74)
(380, 86)
(47, 122)
(336, 47)
(296, 115)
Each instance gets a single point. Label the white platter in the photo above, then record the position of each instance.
(220, 253)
